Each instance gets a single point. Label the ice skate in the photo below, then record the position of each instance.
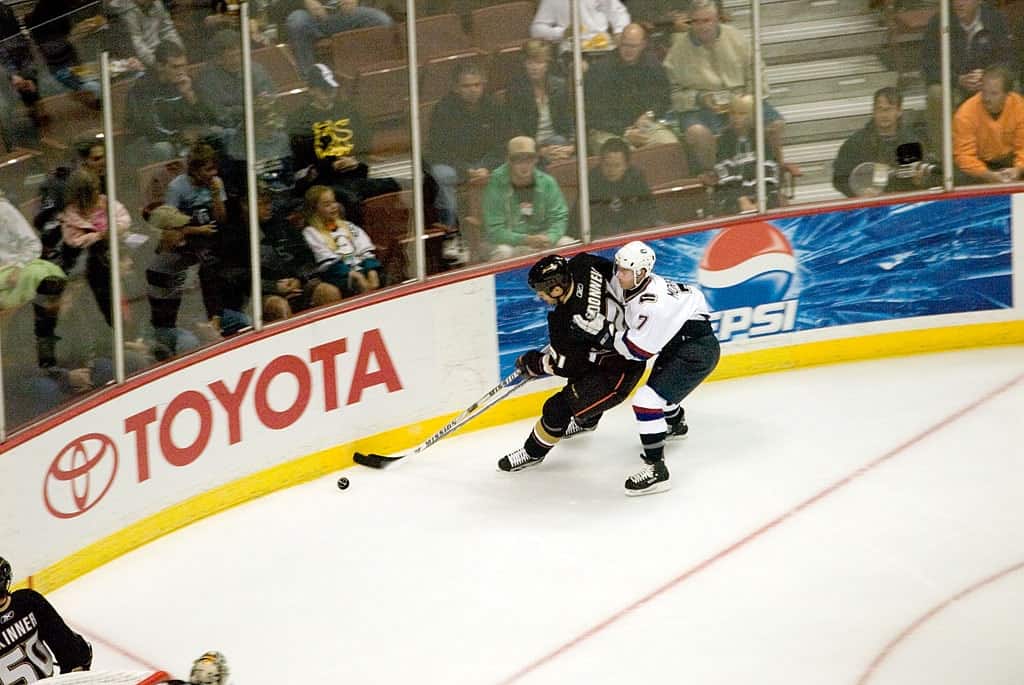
(575, 429)
(649, 480)
(518, 460)
(679, 429)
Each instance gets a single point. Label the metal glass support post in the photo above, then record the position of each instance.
(759, 133)
(3, 407)
(417, 157)
(582, 169)
(115, 237)
(256, 296)
(947, 97)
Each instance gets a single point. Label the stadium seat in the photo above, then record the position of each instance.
(439, 36)
(154, 179)
(365, 48)
(388, 220)
(498, 27)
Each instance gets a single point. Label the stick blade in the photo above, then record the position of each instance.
(375, 461)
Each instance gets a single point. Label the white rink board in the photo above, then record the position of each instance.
(167, 440)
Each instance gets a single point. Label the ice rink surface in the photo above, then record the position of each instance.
(847, 524)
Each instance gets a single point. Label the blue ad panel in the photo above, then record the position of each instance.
(802, 273)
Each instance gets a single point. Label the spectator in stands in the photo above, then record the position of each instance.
(182, 245)
(273, 161)
(199, 193)
(84, 226)
(330, 142)
(345, 256)
(708, 67)
(18, 62)
(988, 132)
(876, 142)
(51, 22)
(275, 308)
(324, 294)
(90, 155)
(164, 115)
(308, 21)
(620, 199)
(147, 25)
(25, 277)
(219, 83)
(602, 21)
(734, 176)
(287, 265)
(523, 210)
(979, 37)
(468, 130)
(540, 104)
(626, 94)
(199, 197)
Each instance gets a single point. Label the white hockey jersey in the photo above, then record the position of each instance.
(655, 313)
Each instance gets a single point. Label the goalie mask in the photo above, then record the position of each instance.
(5, 577)
(209, 669)
(635, 256)
(549, 272)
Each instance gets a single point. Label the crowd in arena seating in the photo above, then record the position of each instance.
(668, 95)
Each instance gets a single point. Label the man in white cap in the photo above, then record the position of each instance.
(524, 209)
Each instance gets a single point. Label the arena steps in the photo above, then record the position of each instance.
(779, 12)
(856, 76)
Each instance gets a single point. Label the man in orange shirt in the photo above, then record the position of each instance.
(988, 132)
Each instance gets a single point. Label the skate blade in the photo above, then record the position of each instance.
(663, 486)
(521, 468)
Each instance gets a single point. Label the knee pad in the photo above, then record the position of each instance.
(556, 414)
(647, 398)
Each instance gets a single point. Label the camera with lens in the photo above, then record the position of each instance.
(911, 171)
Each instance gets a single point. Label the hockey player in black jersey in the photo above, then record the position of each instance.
(597, 379)
(33, 635)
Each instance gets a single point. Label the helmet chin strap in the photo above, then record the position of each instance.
(637, 282)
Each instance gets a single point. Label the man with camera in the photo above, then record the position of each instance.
(988, 132)
(876, 145)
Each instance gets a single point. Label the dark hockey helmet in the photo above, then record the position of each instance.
(5, 577)
(548, 272)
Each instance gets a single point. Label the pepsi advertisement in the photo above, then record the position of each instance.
(803, 273)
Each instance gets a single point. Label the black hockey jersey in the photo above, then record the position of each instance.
(591, 294)
(32, 634)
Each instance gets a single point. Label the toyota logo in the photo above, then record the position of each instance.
(80, 475)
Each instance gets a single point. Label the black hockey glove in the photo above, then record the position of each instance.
(598, 330)
(535, 363)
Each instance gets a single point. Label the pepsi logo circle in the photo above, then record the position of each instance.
(80, 475)
(746, 265)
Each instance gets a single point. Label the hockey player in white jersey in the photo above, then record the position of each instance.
(669, 320)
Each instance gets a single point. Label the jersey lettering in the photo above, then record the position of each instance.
(595, 296)
(333, 138)
(26, 663)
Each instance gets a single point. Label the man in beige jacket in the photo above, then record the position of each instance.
(707, 67)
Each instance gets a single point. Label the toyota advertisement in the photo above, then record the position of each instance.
(766, 278)
(244, 411)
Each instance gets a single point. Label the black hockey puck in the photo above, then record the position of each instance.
(343, 483)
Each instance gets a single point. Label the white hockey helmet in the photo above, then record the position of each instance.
(210, 669)
(635, 256)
